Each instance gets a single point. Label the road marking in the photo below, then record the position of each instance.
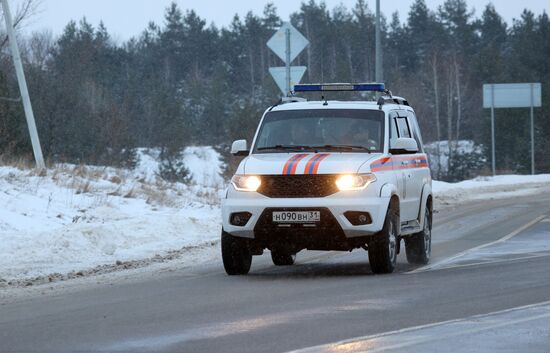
(482, 246)
(360, 344)
(493, 261)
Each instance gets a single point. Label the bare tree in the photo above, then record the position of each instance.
(25, 10)
(38, 48)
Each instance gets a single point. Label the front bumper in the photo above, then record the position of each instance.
(368, 200)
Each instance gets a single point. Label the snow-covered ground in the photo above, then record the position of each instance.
(482, 188)
(76, 218)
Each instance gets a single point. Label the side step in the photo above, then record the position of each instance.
(410, 227)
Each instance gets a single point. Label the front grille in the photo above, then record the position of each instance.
(293, 186)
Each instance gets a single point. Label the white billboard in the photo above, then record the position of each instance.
(512, 95)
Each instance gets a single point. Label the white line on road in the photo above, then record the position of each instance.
(483, 322)
(460, 254)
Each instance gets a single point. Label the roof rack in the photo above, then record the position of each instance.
(392, 100)
(285, 100)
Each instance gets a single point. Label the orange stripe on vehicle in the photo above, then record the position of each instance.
(289, 167)
(318, 162)
(287, 164)
(382, 164)
(309, 166)
(295, 163)
(395, 163)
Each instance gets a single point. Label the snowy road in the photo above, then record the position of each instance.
(478, 289)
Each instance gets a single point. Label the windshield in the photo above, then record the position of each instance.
(345, 130)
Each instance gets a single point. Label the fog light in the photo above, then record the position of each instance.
(240, 219)
(358, 218)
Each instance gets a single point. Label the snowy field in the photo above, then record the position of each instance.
(76, 219)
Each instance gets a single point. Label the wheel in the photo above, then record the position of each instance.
(282, 258)
(383, 250)
(419, 246)
(236, 255)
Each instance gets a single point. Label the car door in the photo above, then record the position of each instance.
(404, 167)
(398, 172)
(419, 167)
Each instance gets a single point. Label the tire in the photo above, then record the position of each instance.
(383, 250)
(419, 246)
(236, 255)
(282, 258)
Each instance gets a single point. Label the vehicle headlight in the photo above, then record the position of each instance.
(246, 182)
(354, 181)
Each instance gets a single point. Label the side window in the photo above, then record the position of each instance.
(393, 127)
(416, 131)
(402, 125)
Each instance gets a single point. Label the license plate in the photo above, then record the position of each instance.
(297, 217)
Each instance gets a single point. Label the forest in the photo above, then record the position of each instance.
(186, 82)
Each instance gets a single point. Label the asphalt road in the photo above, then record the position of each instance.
(324, 301)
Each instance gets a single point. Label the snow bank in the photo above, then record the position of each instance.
(77, 217)
(501, 186)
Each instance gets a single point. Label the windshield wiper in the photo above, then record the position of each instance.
(344, 147)
(285, 147)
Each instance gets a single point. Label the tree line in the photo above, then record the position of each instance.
(185, 82)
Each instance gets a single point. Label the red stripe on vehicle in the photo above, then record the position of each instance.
(318, 162)
(295, 163)
(286, 168)
(382, 164)
(394, 163)
(309, 166)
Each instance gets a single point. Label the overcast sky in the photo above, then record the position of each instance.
(127, 18)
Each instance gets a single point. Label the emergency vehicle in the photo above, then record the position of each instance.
(330, 175)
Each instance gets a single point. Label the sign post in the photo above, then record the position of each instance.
(287, 43)
(493, 159)
(512, 95)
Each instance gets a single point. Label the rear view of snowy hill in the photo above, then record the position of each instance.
(79, 217)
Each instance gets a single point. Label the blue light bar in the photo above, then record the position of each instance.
(321, 87)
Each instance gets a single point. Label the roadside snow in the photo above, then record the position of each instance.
(77, 217)
(480, 188)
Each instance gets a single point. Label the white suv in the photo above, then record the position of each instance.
(330, 175)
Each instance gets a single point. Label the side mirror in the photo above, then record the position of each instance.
(404, 145)
(239, 148)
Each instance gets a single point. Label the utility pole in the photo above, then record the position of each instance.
(378, 63)
(39, 158)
